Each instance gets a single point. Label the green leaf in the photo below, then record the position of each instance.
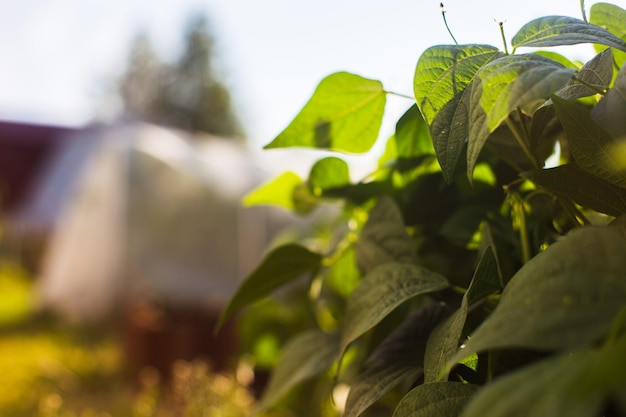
(612, 18)
(449, 130)
(564, 297)
(590, 145)
(384, 239)
(327, 173)
(278, 191)
(412, 135)
(303, 357)
(583, 188)
(344, 114)
(611, 110)
(444, 71)
(504, 85)
(598, 73)
(486, 278)
(443, 344)
(441, 83)
(381, 291)
(279, 267)
(399, 357)
(574, 384)
(566, 62)
(562, 30)
(441, 399)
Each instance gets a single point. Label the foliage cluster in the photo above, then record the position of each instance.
(481, 269)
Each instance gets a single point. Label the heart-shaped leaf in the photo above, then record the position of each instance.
(344, 114)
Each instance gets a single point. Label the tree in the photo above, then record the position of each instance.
(466, 278)
(187, 94)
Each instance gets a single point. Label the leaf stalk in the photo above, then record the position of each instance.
(445, 22)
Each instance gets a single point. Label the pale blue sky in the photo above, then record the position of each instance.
(59, 55)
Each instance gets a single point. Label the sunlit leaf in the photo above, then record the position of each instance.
(412, 135)
(303, 357)
(597, 73)
(575, 384)
(442, 78)
(444, 71)
(504, 85)
(440, 399)
(384, 239)
(279, 267)
(344, 114)
(566, 62)
(278, 191)
(563, 30)
(612, 18)
(564, 297)
(330, 172)
(590, 145)
(381, 291)
(583, 188)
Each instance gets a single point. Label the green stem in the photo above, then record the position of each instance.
(400, 95)
(445, 22)
(506, 48)
(582, 9)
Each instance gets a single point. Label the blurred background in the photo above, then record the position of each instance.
(129, 132)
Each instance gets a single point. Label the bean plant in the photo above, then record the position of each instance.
(480, 270)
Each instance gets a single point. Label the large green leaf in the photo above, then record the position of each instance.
(504, 85)
(381, 291)
(412, 135)
(573, 384)
(384, 239)
(444, 71)
(303, 357)
(344, 114)
(583, 188)
(327, 173)
(441, 399)
(564, 297)
(562, 30)
(398, 357)
(278, 191)
(279, 267)
(596, 73)
(611, 110)
(590, 145)
(612, 18)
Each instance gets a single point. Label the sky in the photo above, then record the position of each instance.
(61, 58)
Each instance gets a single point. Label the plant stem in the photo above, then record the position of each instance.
(519, 214)
(445, 22)
(400, 95)
(506, 48)
(582, 9)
